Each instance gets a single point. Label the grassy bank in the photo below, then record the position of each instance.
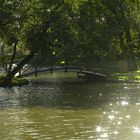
(126, 76)
(56, 77)
(70, 77)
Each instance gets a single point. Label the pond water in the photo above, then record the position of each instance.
(70, 111)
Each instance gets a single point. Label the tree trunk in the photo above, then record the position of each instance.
(131, 61)
(2, 55)
(122, 46)
(12, 58)
(12, 73)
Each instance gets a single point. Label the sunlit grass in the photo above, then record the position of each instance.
(127, 76)
(55, 77)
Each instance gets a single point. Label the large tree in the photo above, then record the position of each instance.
(109, 29)
(43, 27)
(122, 19)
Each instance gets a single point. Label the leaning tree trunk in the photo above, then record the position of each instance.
(12, 73)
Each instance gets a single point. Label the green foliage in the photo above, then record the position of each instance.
(78, 32)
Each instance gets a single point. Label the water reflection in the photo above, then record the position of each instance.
(70, 111)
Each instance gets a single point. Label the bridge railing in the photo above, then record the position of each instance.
(30, 70)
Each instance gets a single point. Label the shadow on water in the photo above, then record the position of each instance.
(62, 95)
(63, 110)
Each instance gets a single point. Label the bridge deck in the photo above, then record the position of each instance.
(30, 71)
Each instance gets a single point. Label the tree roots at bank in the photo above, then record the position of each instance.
(15, 82)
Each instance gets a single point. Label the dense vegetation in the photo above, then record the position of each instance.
(77, 32)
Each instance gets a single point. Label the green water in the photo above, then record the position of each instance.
(70, 111)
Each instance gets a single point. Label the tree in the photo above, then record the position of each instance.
(123, 20)
(44, 29)
(109, 30)
(14, 18)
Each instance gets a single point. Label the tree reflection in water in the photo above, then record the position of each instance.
(105, 111)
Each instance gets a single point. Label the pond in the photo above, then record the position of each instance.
(70, 111)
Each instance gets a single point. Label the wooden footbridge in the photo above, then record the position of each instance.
(29, 70)
(81, 72)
